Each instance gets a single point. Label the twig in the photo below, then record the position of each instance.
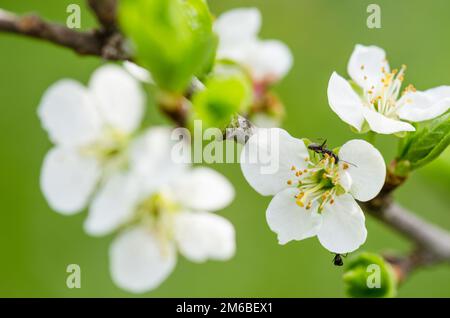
(106, 13)
(432, 244)
(109, 46)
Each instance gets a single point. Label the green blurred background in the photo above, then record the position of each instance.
(36, 244)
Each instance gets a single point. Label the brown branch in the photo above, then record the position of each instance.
(108, 46)
(106, 13)
(432, 244)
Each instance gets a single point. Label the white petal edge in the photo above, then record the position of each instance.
(421, 106)
(366, 168)
(68, 180)
(68, 114)
(267, 158)
(203, 189)
(119, 96)
(439, 92)
(139, 262)
(238, 25)
(290, 221)
(343, 227)
(151, 157)
(344, 101)
(201, 236)
(113, 205)
(384, 125)
(269, 60)
(365, 66)
(138, 72)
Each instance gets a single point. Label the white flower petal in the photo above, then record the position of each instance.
(345, 102)
(366, 168)
(152, 158)
(366, 64)
(113, 205)
(438, 93)
(138, 72)
(384, 125)
(120, 97)
(201, 236)
(345, 180)
(203, 189)
(68, 179)
(343, 229)
(267, 158)
(139, 261)
(269, 60)
(68, 114)
(238, 25)
(421, 106)
(290, 221)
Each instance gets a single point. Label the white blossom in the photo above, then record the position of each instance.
(314, 195)
(375, 95)
(161, 206)
(90, 128)
(267, 60)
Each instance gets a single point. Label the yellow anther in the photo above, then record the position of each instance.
(345, 166)
(300, 203)
(289, 182)
(293, 168)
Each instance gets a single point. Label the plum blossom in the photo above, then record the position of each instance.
(267, 60)
(375, 95)
(314, 195)
(90, 128)
(161, 206)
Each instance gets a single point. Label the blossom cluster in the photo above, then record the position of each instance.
(135, 186)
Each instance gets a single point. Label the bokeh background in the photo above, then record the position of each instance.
(36, 244)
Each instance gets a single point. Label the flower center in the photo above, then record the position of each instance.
(385, 98)
(320, 182)
(109, 149)
(157, 213)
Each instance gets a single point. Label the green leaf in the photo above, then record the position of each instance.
(427, 143)
(228, 92)
(173, 39)
(360, 280)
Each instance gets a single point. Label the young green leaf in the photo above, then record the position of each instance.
(173, 39)
(227, 93)
(369, 275)
(427, 143)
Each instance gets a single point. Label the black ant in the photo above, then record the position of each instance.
(337, 259)
(322, 149)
